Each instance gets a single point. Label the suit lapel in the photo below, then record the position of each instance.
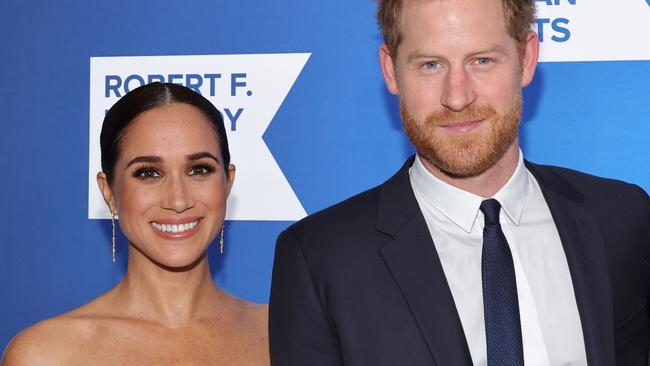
(584, 249)
(413, 261)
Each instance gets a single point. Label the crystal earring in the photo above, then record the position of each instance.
(113, 223)
(221, 242)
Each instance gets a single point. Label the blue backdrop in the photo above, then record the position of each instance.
(337, 132)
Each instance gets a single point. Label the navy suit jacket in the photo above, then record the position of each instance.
(361, 284)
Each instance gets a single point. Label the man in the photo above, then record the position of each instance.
(469, 254)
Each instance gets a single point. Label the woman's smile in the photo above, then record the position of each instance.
(176, 229)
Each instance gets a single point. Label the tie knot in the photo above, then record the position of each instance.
(490, 209)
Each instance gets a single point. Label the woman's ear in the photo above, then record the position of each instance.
(231, 179)
(107, 192)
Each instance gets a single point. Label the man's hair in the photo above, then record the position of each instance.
(519, 16)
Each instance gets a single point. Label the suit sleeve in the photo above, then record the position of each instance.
(646, 201)
(646, 255)
(300, 331)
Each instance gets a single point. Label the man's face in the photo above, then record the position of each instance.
(459, 75)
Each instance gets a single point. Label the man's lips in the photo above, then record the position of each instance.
(463, 127)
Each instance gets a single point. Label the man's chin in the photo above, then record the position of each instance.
(457, 169)
(464, 160)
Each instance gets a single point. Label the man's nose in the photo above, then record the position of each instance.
(458, 90)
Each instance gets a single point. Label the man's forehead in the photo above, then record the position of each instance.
(482, 12)
(453, 27)
(408, 3)
(444, 1)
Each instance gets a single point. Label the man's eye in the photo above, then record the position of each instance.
(482, 60)
(431, 65)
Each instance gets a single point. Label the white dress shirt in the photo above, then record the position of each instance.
(550, 323)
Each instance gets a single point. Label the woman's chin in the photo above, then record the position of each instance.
(179, 261)
(175, 255)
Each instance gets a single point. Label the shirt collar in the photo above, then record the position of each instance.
(512, 196)
(462, 207)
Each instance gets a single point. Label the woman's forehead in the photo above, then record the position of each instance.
(174, 129)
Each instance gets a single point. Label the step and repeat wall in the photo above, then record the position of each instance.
(308, 117)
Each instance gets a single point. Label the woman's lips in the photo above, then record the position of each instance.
(463, 127)
(176, 229)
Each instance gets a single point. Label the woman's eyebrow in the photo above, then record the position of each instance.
(144, 159)
(201, 155)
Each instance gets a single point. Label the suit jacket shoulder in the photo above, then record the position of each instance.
(583, 183)
(354, 222)
(353, 212)
(610, 200)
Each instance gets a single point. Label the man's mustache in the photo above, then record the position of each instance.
(448, 117)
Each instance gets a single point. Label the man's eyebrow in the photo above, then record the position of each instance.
(491, 49)
(418, 54)
(144, 159)
(201, 155)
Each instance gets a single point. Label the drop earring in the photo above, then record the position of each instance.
(221, 242)
(113, 223)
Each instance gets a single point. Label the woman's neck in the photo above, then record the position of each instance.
(173, 298)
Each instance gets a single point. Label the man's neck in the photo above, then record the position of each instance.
(487, 183)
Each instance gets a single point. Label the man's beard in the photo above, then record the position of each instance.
(469, 154)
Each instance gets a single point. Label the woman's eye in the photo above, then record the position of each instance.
(431, 65)
(201, 170)
(146, 173)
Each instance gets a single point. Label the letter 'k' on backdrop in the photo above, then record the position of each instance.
(308, 117)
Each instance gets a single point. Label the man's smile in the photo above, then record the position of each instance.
(463, 127)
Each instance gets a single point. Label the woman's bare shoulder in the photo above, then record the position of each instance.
(246, 311)
(258, 314)
(51, 341)
(258, 321)
(41, 344)
(254, 328)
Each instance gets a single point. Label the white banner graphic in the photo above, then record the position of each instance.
(247, 89)
(593, 30)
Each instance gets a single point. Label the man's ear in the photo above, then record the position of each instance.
(388, 69)
(529, 58)
(107, 192)
(231, 179)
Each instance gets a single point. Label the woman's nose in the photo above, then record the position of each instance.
(177, 195)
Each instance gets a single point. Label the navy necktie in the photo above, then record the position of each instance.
(500, 302)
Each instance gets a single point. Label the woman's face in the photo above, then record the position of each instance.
(169, 187)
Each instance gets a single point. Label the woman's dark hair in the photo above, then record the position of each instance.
(147, 97)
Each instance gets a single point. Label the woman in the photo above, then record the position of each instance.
(166, 173)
